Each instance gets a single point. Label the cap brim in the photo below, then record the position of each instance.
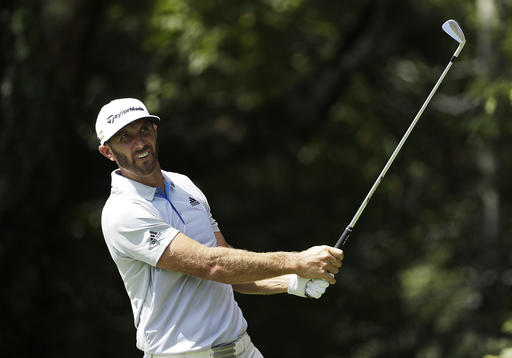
(153, 118)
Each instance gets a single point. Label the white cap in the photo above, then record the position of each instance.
(118, 113)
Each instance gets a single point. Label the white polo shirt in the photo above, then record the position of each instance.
(173, 312)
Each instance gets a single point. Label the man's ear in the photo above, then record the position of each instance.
(107, 152)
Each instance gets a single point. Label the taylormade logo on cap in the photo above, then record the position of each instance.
(118, 113)
(112, 118)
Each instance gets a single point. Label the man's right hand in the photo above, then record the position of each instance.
(319, 262)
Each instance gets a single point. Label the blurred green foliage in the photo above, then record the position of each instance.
(283, 112)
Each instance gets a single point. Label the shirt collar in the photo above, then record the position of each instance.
(126, 185)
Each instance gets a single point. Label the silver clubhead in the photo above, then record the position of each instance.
(452, 28)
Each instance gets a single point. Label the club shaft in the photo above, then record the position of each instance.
(343, 238)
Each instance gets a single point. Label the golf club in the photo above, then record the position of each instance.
(452, 28)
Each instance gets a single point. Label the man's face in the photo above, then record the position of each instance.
(135, 150)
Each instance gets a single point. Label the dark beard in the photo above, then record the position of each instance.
(130, 165)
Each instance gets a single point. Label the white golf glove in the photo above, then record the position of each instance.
(305, 287)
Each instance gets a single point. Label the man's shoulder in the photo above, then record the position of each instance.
(184, 183)
(180, 180)
(175, 176)
(125, 204)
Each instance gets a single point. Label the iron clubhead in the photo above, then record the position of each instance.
(452, 28)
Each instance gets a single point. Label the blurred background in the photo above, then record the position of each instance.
(283, 112)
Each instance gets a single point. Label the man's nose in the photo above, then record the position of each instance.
(139, 141)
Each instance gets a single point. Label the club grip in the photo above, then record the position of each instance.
(343, 238)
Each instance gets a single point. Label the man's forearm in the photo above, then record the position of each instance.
(234, 266)
(264, 287)
(222, 264)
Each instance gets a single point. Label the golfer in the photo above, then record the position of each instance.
(176, 266)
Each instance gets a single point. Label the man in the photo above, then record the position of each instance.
(176, 266)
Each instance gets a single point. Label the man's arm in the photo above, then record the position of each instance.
(262, 287)
(235, 266)
(268, 286)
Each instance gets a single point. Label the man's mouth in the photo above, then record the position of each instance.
(143, 155)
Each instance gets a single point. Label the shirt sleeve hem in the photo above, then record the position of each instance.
(166, 239)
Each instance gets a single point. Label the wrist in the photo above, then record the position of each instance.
(296, 285)
(293, 263)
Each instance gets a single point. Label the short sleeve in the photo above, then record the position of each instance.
(134, 229)
(213, 222)
(202, 198)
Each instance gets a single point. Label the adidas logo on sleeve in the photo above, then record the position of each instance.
(154, 237)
